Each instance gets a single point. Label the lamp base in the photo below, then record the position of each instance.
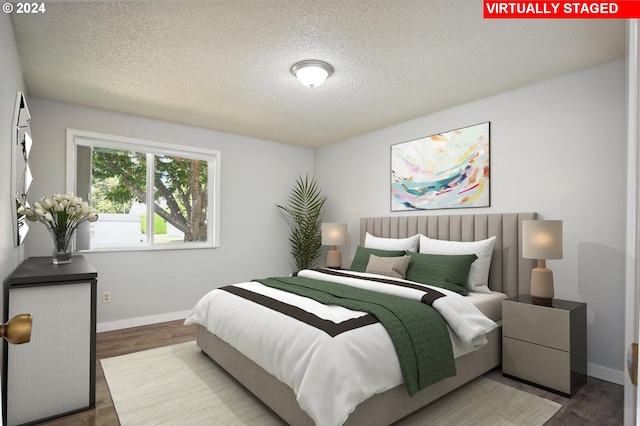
(542, 285)
(334, 258)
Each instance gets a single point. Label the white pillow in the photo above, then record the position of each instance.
(380, 243)
(479, 272)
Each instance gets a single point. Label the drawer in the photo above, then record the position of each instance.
(538, 364)
(54, 369)
(537, 324)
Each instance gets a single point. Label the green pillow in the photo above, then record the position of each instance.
(442, 270)
(361, 258)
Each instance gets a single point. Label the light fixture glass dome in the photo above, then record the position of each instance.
(312, 73)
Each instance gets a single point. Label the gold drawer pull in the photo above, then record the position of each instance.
(18, 329)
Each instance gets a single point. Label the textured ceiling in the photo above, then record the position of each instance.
(225, 65)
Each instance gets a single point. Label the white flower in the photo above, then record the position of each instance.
(62, 214)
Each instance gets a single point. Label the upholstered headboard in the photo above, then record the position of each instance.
(509, 273)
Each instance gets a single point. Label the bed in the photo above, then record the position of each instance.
(509, 275)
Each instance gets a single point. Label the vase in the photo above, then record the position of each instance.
(61, 247)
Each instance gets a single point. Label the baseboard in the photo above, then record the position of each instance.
(137, 322)
(604, 373)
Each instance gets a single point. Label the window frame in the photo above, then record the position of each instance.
(213, 158)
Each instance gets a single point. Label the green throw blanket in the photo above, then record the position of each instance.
(418, 332)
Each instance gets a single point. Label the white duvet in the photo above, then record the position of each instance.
(329, 375)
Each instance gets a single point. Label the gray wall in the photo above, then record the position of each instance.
(557, 148)
(10, 82)
(145, 286)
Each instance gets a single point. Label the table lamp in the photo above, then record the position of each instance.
(18, 329)
(334, 234)
(542, 240)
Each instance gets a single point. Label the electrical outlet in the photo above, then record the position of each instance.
(106, 297)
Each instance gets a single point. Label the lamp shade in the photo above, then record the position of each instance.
(334, 234)
(542, 239)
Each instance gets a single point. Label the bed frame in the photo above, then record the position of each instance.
(509, 274)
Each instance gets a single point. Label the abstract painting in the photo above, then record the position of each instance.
(443, 171)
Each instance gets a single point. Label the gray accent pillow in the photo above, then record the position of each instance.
(395, 267)
(361, 258)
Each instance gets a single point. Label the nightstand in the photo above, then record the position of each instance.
(545, 345)
(54, 374)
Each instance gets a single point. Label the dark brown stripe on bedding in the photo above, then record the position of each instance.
(429, 297)
(329, 327)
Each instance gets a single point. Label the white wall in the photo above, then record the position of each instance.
(557, 148)
(150, 286)
(631, 402)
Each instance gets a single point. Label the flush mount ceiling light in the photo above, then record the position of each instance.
(312, 73)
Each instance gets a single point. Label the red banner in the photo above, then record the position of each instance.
(626, 9)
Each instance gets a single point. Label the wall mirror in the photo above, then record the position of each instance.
(21, 178)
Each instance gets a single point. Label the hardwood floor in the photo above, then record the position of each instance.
(597, 403)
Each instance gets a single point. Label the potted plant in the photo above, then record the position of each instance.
(303, 213)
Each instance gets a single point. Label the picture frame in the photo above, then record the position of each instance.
(442, 171)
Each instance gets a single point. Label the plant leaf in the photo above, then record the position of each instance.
(303, 213)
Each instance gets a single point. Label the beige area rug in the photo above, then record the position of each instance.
(179, 385)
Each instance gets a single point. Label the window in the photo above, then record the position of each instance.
(149, 195)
